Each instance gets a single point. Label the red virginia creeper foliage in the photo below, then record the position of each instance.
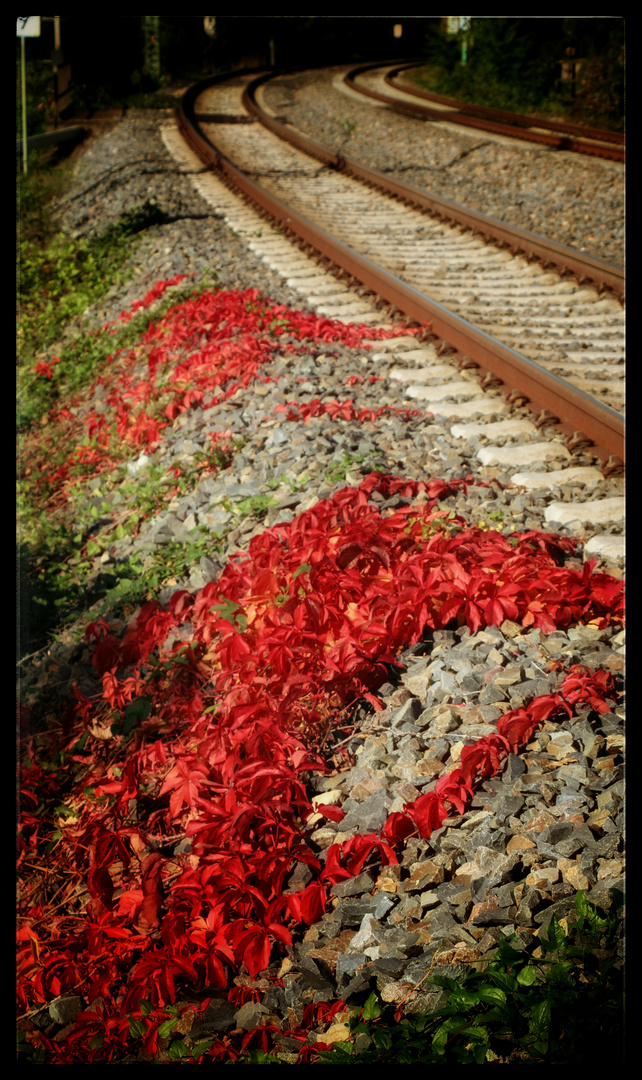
(182, 836)
(198, 354)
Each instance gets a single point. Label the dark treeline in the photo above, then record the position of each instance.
(518, 57)
(571, 65)
(109, 50)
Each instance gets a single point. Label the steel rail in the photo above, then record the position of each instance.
(518, 119)
(423, 112)
(585, 420)
(567, 260)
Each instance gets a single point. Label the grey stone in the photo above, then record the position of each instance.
(368, 816)
(360, 982)
(442, 925)
(491, 694)
(250, 1015)
(353, 886)
(514, 767)
(369, 933)
(312, 974)
(492, 917)
(408, 713)
(351, 911)
(560, 910)
(65, 1008)
(530, 688)
(607, 847)
(561, 830)
(347, 964)
(390, 965)
(218, 1017)
(507, 806)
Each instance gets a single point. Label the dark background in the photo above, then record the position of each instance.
(108, 67)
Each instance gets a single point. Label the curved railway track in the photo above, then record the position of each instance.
(416, 254)
(383, 84)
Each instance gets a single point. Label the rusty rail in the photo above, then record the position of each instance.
(566, 260)
(485, 123)
(583, 419)
(517, 119)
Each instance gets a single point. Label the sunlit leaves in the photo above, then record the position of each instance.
(210, 712)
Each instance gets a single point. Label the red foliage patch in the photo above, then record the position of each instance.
(181, 836)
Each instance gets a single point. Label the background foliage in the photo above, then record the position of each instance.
(515, 63)
(512, 61)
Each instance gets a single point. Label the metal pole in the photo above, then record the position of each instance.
(23, 80)
(55, 66)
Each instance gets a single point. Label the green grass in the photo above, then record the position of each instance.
(59, 277)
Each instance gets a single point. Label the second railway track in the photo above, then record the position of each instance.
(569, 329)
(388, 86)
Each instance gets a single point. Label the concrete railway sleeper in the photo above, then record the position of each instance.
(583, 429)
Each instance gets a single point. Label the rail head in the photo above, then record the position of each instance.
(518, 119)
(544, 134)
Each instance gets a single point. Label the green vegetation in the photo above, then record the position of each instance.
(60, 277)
(348, 125)
(58, 582)
(561, 1003)
(254, 505)
(339, 471)
(515, 63)
(294, 485)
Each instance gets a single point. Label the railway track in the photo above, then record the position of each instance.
(411, 258)
(385, 84)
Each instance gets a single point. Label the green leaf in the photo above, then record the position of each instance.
(200, 1048)
(561, 973)
(450, 1027)
(165, 1028)
(540, 1016)
(137, 711)
(462, 998)
(338, 1055)
(527, 976)
(492, 995)
(178, 1049)
(381, 1038)
(137, 1028)
(371, 1009)
(555, 938)
(55, 837)
(96, 1042)
(501, 1013)
(93, 548)
(539, 1048)
(445, 981)
(259, 1057)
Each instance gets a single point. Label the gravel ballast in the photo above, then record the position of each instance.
(576, 200)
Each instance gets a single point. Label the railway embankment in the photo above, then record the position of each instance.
(232, 430)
